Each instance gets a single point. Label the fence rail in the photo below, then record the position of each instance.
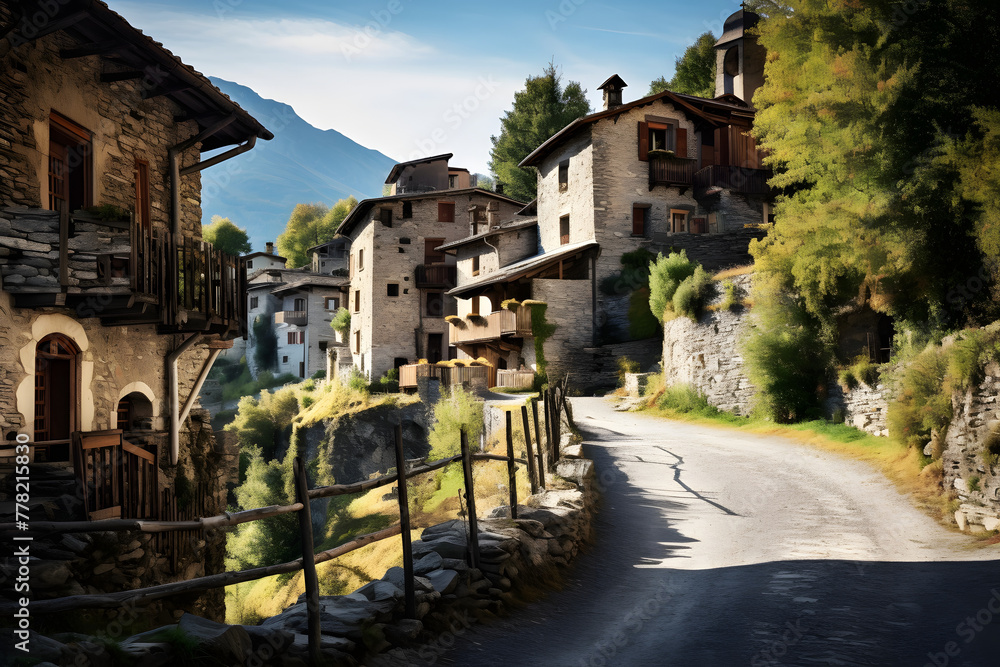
(553, 401)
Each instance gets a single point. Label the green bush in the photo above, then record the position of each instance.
(973, 483)
(259, 421)
(732, 295)
(307, 401)
(341, 322)
(455, 411)
(308, 385)
(625, 366)
(921, 404)
(357, 380)
(968, 356)
(991, 450)
(665, 274)
(691, 294)
(685, 399)
(387, 384)
(269, 541)
(319, 375)
(641, 322)
(862, 371)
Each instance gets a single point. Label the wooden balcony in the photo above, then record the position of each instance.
(113, 271)
(516, 324)
(440, 276)
(448, 375)
(742, 180)
(671, 171)
(296, 317)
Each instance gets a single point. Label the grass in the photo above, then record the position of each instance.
(907, 467)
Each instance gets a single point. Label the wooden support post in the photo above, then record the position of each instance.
(538, 443)
(511, 467)
(308, 562)
(528, 453)
(404, 520)
(470, 502)
(556, 402)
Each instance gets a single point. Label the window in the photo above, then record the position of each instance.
(254, 302)
(474, 305)
(392, 289)
(284, 359)
(357, 300)
(407, 209)
(249, 264)
(56, 411)
(299, 304)
(564, 230)
(350, 266)
(452, 180)
(435, 304)
(697, 226)
(357, 342)
(385, 216)
(70, 178)
(331, 302)
(142, 205)
(293, 337)
(431, 254)
(678, 221)
(361, 259)
(435, 342)
(475, 265)
(662, 136)
(446, 211)
(564, 176)
(640, 216)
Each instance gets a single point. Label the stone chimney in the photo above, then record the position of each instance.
(270, 247)
(612, 92)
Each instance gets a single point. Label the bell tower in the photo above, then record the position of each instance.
(739, 58)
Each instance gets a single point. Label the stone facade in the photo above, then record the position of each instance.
(865, 408)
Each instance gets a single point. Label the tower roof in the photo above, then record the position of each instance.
(614, 81)
(736, 26)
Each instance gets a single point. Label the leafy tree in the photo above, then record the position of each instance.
(226, 236)
(454, 412)
(540, 110)
(694, 72)
(265, 341)
(310, 225)
(485, 182)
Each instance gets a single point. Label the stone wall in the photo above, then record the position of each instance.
(865, 408)
(569, 308)
(714, 251)
(976, 419)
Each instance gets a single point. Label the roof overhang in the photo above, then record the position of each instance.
(526, 268)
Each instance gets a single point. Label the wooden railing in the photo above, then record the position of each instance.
(448, 375)
(436, 275)
(742, 180)
(117, 479)
(296, 317)
(515, 379)
(491, 327)
(671, 171)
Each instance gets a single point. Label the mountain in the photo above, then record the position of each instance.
(302, 164)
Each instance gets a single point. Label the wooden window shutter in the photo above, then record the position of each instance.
(638, 221)
(446, 211)
(643, 141)
(682, 142)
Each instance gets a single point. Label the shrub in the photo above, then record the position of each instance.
(308, 385)
(690, 295)
(861, 371)
(307, 401)
(357, 380)
(991, 450)
(259, 421)
(922, 405)
(685, 399)
(456, 411)
(269, 541)
(625, 366)
(732, 295)
(641, 322)
(341, 322)
(973, 483)
(319, 375)
(665, 274)
(387, 384)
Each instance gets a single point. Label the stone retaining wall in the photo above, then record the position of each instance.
(865, 408)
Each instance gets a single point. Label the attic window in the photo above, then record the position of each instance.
(385, 216)
(564, 176)
(446, 211)
(407, 209)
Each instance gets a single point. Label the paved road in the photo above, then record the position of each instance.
(719, 548)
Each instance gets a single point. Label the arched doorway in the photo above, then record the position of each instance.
(135, 412)
(56, 401)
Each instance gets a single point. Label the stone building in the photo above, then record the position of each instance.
(398, 275)
(330, 258)
(112, 309)
(667, 171)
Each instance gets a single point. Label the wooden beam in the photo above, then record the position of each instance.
(111, 77)
(166, 90)
(93, 49)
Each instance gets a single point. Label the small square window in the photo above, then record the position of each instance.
(446, 211)
(284, 360)
(385, 216)
(254, 302)
(407, 209)
(392, 289)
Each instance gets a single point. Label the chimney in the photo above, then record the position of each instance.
(612, 92)
(270, 247)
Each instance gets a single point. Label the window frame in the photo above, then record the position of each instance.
(564, 175)
(644, 224)
(564, 224)
(446, 211)
(388, 290)
(475, 265)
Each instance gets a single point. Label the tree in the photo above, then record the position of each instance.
(226, 236)
(310, 225)
(540, 110)
(694, 72)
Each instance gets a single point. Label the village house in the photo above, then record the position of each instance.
(667, 171)
(398, 275)
(112, 308)
(330, 257)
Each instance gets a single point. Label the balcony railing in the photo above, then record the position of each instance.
(449, 375)
(436, 275)
(296, 317)
(671, 171)
(123, 275)
(492, 327)
(741, 180)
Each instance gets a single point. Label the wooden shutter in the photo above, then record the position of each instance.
(638, 221)
(682, 142)
(643, 141)
(446, 211)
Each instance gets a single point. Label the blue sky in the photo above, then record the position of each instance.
(412, 78)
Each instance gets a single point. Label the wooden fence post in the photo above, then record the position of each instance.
(538, 443)
(404, 520)
(308, 562)
(528, 453)
(556, 402)
(511, 467)
(470, 502)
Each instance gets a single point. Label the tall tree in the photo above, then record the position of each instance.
(859, 114)
(694, 72)
(540, 110)
(226, 236)
(310, 225)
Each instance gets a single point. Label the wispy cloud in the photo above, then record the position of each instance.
(651, 35)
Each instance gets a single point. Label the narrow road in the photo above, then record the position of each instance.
(720, 548)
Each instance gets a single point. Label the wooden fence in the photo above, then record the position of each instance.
(553, 403)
